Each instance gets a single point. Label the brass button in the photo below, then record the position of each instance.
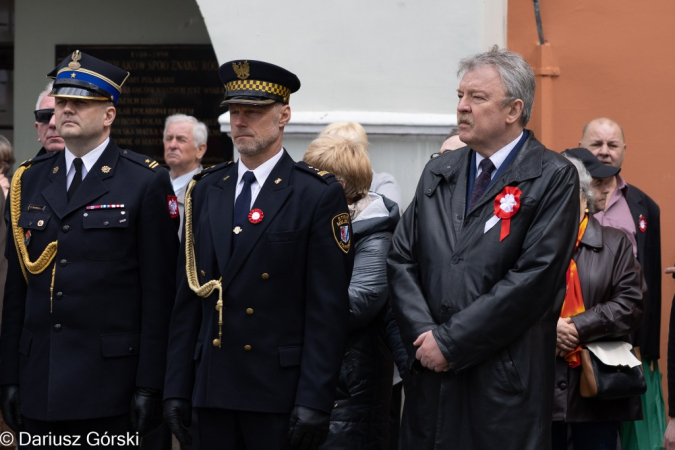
(247, 348)
(41, 222)
(265, 276)
(66, 228)
(249, 311)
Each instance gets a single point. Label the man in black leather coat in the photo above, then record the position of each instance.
(477, 272)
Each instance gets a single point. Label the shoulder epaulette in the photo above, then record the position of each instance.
(211, 169)
(321, 174)
(143, 160)
(44, 157)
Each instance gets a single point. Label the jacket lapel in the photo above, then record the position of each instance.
(92, 186)
(454, 169)
(55, 193)
(637, 208)
(220, 198)
(270, 201)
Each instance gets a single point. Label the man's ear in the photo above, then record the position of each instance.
(110, 114)
(284, 115)
(515, 111)
(201, 149)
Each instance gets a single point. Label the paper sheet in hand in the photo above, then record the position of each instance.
(614, 353)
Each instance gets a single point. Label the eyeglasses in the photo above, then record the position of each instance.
(44, 115)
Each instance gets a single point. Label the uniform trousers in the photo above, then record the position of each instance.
(242, 430)
(93, 433)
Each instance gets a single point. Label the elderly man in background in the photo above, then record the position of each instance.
(477, 272)
(184, 147)
(636, 214)
(45, 125)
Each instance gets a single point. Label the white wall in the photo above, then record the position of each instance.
(368, 57)
(42, 24)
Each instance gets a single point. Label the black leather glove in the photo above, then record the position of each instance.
(178, 415)
(10, 406)
(308, 428)
(146, 410)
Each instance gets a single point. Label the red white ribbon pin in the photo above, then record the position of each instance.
(255, 216)
(506, 206)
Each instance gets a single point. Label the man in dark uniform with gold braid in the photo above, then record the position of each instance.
(92, 248)
(260, 321)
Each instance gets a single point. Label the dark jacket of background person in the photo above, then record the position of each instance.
(360, 417)
(493, 305)
(613, 289)
(3, 259)
(648, 336)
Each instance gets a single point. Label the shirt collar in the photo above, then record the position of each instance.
(89, 159)
(500, 156)
(179, 183)
(262, 171)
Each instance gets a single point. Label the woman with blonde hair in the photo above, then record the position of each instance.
(360, 417)
(382, 183)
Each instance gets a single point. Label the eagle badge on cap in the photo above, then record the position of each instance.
(74, 64)
(242, 70)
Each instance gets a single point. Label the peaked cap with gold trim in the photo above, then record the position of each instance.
(252, 82)
(83, 76)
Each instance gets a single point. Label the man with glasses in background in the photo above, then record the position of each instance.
(45, 124)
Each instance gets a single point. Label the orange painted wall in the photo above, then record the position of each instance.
(616, 59)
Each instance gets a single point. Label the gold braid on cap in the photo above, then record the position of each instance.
(48, 254)
(206, 289)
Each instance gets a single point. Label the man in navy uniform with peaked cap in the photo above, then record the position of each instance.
(92, 248)
(260, 321)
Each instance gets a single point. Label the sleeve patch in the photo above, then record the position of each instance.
(341, 226)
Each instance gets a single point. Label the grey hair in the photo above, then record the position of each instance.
(585, 180)
(200, 133)
(47, 90)
(515, 72)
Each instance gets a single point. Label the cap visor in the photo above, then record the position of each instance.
(605, 171)
(248, 101)
(76, 92)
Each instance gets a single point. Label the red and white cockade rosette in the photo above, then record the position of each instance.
(507, 204)
(255, 216)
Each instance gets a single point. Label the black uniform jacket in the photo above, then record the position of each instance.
(649, 255)
(492, 305)
(113, 287)
(285, 294)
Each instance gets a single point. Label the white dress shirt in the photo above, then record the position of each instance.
(88, 162)
(261, 173)
(498, 158)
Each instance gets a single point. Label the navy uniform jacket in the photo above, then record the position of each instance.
(113, 287)
(285, 291)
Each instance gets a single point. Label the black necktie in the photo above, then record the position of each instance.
(482, 182)
(77, 179)
(242, 206)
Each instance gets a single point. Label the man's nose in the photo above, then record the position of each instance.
(463, 105)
